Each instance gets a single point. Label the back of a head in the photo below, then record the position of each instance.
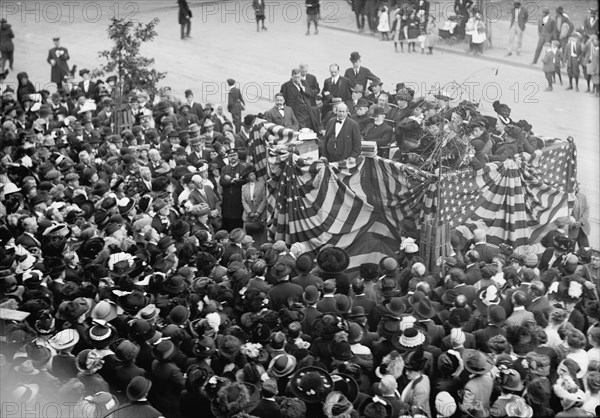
(358, 286)
(479, 235)
(457, 276)
(519, 298)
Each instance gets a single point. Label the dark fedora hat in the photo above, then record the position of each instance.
(396, 306)
(133, 302)
(476, 362)
(333, 260)
(164, 350)
(423, 309)
(138, 388)
(280, 271)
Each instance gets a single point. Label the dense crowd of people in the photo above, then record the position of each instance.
(138, 278)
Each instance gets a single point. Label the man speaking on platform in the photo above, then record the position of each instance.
(342, 136)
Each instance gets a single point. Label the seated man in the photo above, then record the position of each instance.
(380, 132)
(281, 114)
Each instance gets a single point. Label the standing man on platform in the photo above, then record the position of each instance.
(546, 29)
(57, 58)
(358, 74)
(518, 20)
(185, 19)
(235, 104)
(342, 137)
(298, 97)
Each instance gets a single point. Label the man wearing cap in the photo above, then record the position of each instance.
(57, 58)
(342, 137)
(281, 114)
(235, 103)
(210, 135)
(357, 94)
(380, 132)
(186, 118)
(357, 74)
(298, 97)
(376, 89)
(546, 30)
(361, 115)
(231, 181)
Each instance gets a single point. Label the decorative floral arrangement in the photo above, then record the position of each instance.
(251, 350)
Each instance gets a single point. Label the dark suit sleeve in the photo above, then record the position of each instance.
(370, 76)
(356, 141)
(269, 116)
(295, 124)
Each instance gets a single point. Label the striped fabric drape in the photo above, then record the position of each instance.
(358, 204)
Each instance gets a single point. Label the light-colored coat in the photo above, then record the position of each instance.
(581, 212)
(477, 393)
(256, 203)
(417, 392)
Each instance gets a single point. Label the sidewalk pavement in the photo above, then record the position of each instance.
(496, 54)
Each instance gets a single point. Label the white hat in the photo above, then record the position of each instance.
(64, 339)
(445, 404)
(409, 246)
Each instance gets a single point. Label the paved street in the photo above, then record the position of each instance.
(225, 44)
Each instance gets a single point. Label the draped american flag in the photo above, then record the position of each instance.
(262, 136)
(514, 200)
(358, 204)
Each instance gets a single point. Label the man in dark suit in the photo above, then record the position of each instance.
(335, 86)
(357, 94)
(360, 299)
(231, 181)
(87, 86)
(195, 108)
(297, 96)
(310, 82)
(486, 251)
(546, 30)
(27, 239)
(185, 16)
(235, 104)
(519, 17)
(281, 114)
(267, 407)
(496, 318)
(376, 90)
(342, 137)
(461, 8)
(57, 58)
(327, 303)
(553, 257)
(357, 74)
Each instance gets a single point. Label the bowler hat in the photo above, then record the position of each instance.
(280, 271)
(311, 294)
(354, 56)
(138, 388)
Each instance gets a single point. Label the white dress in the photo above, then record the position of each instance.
(384, 21)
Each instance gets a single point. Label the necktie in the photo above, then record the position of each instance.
(339, 121)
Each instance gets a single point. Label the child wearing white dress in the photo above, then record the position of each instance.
(384, 23)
